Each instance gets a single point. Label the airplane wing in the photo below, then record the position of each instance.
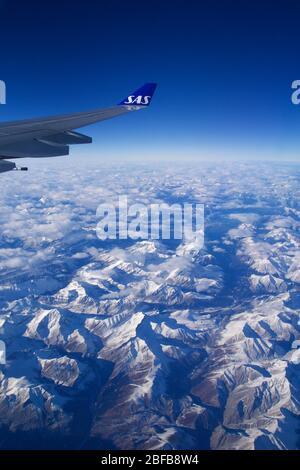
(52, 136)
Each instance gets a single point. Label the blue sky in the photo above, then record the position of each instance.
(224, 70)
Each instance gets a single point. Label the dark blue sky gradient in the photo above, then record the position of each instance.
(224, 70)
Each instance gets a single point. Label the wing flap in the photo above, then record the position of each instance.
(6, 166)
(67, 138)
(33, 148)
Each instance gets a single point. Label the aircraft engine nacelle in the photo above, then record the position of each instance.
(6, 166)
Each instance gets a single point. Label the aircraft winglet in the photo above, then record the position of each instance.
(141, 97)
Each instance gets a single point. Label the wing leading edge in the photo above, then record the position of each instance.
(52, 136)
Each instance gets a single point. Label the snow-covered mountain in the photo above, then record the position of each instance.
(149, 344)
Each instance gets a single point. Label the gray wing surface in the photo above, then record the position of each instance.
(51, 136)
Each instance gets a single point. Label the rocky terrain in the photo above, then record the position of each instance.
(149, 344)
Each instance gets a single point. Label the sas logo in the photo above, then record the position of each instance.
(138, 100)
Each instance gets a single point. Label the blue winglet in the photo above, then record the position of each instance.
(141, 97)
